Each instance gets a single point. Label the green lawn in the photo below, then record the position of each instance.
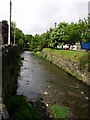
(72, 55)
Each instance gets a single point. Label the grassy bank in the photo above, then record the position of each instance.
(60, 112)
(71, 55)
(80, 57)
(76, 63)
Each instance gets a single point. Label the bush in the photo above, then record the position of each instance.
(19, 109)
(83, 61)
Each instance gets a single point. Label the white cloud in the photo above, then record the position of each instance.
(36, 16)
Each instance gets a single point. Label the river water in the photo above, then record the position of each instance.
(41, 79)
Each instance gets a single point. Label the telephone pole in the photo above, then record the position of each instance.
(14, 34)
(10, 24)
(55, 25)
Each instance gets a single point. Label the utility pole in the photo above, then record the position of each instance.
(10, 24)
(55, 25)
(14, 34)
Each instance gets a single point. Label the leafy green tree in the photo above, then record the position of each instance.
(42, 41)
(13, 24)
(34, 43)
(18, 34)
(64, 34)
(88, 32)
(49, 37)
(73, 34)
(28, 39)
(61, 29)
(21, 42)
(58, 35)
(82, 27)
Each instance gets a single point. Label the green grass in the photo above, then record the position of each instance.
(60, 112)
(70, 55)
(19, 109)
(38, 54)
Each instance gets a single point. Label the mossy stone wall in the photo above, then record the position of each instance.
(73, 68)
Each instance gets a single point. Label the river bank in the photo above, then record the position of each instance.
(11, 63)
(17, 106)
(73, 62)
(46, 86)
(43, 88)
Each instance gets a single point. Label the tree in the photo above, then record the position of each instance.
(82, 27)
(58, 35)
(88, 32)
(18, 34)
(21, 42)
(28, 39)
(13, 24)
(34, 42)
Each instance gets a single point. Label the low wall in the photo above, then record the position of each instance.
(10, 71)
(72, 68)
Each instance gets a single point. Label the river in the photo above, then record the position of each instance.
(41, 79)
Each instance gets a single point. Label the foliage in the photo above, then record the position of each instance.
(18, 34)
(38, 54)
(21, 42)
(19, 109)
(83, 60)
(88, 32)
(63, 34)
(83, 28)
(34, 43)
(28, 39)
(59, 111)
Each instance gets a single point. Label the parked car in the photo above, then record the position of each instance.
(65, 47)
(59, 47)
(74, 47)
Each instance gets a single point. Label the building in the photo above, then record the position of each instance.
(4, 32)
(86, 45)
(0, 33)
(89, 9)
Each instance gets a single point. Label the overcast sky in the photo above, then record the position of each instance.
(37, 16)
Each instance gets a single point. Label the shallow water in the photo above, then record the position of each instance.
(38, 76)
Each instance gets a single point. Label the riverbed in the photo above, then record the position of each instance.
(41, 79)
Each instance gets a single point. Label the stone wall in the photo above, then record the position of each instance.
(10, 71)
(67, 65)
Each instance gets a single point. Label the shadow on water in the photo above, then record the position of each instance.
(39, 76)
